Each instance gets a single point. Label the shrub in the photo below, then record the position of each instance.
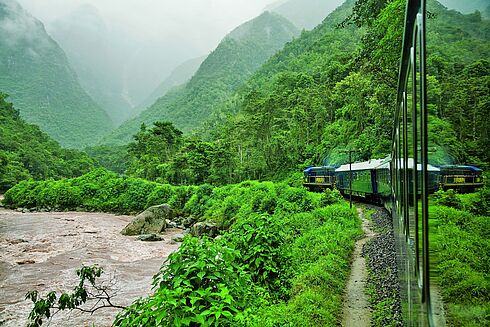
(447, 198)
(460, 244)
(260, 240)
(477, 203)
(159, 195)
(135, 195)
(180, 196)
(331, 197)
(200, 284)
(21, 195)
(198, 202)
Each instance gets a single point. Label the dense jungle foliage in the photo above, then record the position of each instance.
(28, 153)
(460, 245)
(321, 94)
(237, 56)
(283, 257)
(36, 74)
(114, 157)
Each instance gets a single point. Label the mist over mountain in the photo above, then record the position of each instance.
(305, 14)
(97, 56)
(466, 6)
(36, 74)
(239, 54)
(118, 69)
(122, 51)
(178, 76)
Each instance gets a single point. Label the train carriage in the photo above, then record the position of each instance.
(460, 178)
(363, 182)
(319, 178)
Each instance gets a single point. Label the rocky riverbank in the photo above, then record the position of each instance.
(43, 250)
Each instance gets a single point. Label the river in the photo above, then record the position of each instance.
(43, 250)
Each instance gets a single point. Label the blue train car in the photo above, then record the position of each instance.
(460, 178)
(364, 178)
(373, 179)
(319, 178)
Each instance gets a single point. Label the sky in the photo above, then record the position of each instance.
(158, 34)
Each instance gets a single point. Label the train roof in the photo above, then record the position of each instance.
(309, 169)
(419, 166)
(365, 165)
(381, 163)
(460, 167)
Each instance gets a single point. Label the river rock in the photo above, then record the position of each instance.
(204, 228)
(189, 221)
(178, 237)
(150, 238)
(171, 224)
(150, 221)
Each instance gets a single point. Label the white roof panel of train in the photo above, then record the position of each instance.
(371, 164)
(419, 166)
(381, 163)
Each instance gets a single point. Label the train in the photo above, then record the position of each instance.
(372, 179)
(404, 181)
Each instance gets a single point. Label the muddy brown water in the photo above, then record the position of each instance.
(42, 251)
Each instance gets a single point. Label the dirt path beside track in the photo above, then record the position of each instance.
(356, 311)
(43, 250)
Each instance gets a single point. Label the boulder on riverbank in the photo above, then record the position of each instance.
(151, 221)
(150, 238)
(204, 228)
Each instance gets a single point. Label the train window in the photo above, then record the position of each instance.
(411, 171)
(416, 147)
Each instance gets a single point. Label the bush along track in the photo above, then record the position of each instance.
(282, 258)
(383, 286)
(460, 229)
(266, 270)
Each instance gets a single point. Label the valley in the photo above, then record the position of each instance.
(251, 124)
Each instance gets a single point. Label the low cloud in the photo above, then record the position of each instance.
(151, 36)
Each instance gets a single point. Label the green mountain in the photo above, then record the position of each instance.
(28, 153)
(180, 75)
(334, 88)
(36, 74)
(305, 14)
(236, 58)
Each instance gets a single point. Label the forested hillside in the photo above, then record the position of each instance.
(467, 6)
(283, 113)
(28, 153)
(180, 75)
(321, 95)
(36, 74)
(333, 89)
(226, 68)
